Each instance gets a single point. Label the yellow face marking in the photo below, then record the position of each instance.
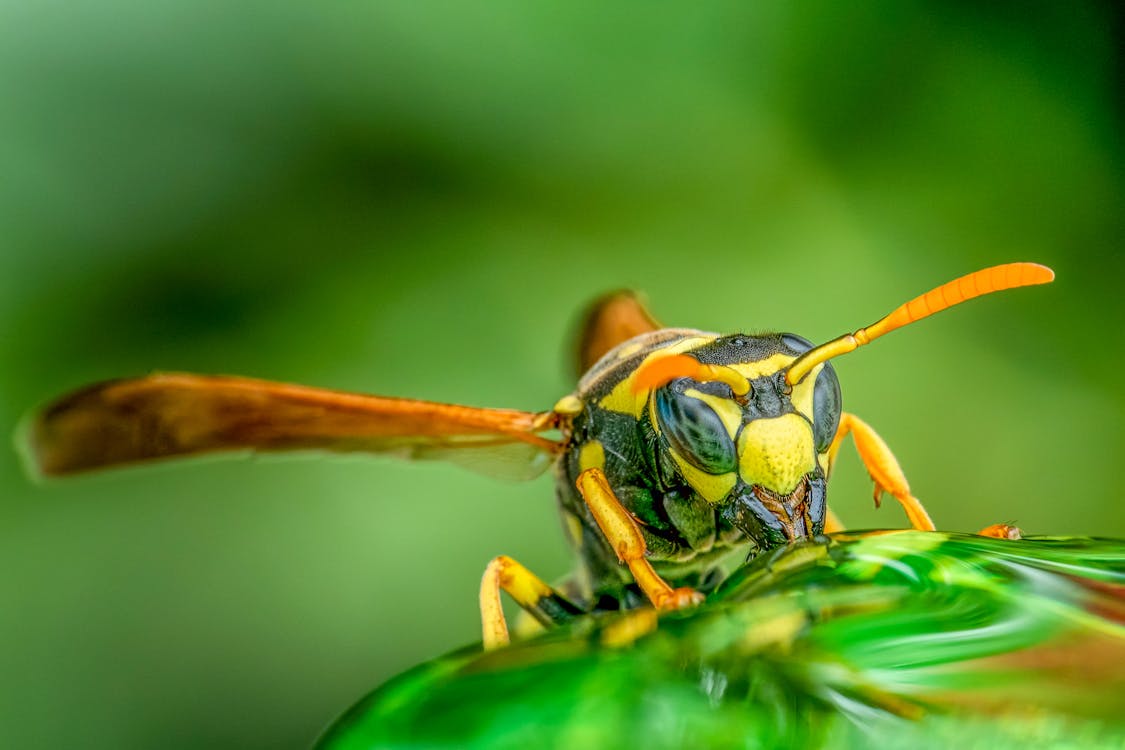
(591, 456)
(569, 406)
(767, 366)
(711, 487)
(776, 453)
(622, 399)
(802, 395)
(729, 412)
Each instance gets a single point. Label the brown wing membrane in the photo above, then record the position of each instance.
(616, 317)
(125, 421)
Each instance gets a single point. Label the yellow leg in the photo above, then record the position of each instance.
(882, 466)
(623, 533)
(535, 597)
(629, 627)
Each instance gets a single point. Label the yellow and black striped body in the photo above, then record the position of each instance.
(708, 474)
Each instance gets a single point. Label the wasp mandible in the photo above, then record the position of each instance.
(678, 450)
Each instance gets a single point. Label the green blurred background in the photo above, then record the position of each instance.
(415, 199)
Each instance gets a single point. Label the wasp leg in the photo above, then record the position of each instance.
(631, 626)
(1002, 531)
(539, 600)
(882, 466)
(624, 535)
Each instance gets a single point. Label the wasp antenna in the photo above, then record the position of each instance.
(663, 370)
(985, 281)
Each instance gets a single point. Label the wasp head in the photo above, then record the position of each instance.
(748, 420)
(745, 439)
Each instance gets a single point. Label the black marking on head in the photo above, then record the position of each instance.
(767, 400)
(747, 513)
(712, 388)
(743, 347)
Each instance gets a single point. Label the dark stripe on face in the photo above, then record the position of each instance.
(740, 347)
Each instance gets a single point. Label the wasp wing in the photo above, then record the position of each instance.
(610, 320)
(165, 415)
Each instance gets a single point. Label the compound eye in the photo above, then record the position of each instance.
(796, 344)
(826, 407)
(693, 429)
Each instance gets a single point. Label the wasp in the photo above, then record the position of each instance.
(678, 451)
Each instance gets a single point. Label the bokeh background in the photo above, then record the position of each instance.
(415, 199)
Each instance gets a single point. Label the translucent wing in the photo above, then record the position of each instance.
(166, 415)
(616, 317)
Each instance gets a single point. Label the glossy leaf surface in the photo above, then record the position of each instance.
(898, 639)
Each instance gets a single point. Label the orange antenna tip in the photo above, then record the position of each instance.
(985, 281)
